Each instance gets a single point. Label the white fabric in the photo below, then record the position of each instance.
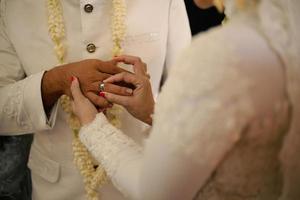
(284, 37)
(114, 144)
(157, 31)
(219, 124)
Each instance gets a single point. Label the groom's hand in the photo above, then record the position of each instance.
(90, 73)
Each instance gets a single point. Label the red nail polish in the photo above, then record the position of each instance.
(102, 94)
(72, 79)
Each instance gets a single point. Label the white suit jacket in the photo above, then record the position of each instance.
(157, 31)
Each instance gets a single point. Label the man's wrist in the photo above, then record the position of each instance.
(53, 81)
(52, 87)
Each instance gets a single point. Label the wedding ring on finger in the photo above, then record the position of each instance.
(101, 87)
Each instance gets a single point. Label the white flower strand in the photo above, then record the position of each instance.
(93, 178)
(118, 26)
(56, 28)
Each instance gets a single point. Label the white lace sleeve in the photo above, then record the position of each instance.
(119, 154)
(21, 106)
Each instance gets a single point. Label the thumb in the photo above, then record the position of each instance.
(76, 91)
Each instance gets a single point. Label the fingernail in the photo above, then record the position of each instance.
(72, 79)
(129, 91)
(102, 94)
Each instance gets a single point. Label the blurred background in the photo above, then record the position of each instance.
(202, 20)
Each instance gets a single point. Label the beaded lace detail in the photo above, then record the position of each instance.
(105, 142)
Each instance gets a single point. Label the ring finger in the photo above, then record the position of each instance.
(112, 88)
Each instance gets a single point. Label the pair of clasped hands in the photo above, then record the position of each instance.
(130, 90)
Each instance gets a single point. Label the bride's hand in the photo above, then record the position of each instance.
(141, 103)
(82, 106)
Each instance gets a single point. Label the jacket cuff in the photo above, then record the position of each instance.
(33, 104)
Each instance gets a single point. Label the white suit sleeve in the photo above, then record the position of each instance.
(179, 34)
(21, 103)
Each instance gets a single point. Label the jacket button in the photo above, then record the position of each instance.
(91, 48)
(88, 8)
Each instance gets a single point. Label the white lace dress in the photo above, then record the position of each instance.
(218, 127)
